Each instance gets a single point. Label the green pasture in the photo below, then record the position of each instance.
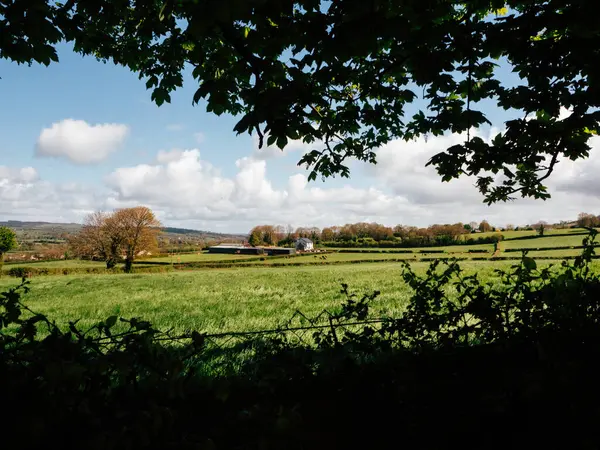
(217, 300)
(70, 264)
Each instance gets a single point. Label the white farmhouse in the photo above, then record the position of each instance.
(304, 245)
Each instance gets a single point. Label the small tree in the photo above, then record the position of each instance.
(8, 241)
(484, 226)
(255, 237)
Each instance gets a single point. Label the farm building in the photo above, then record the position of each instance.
(235, 249)
(274, 251)
(304, 245)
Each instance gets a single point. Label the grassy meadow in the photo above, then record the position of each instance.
(217, 300)
(245, 292)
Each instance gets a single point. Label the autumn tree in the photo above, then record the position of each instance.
(484, 226)
(138, 228)
(8, 241)
(110, 236)
(587, 220)
(98, 239)
(327, 234)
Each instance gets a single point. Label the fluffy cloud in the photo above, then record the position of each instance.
(186, 190)
(581, 176)
(401, 167)
(272, 151)
(24, 196)
(10, 175)
(79, 141)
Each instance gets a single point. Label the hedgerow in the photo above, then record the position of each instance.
(467, 357)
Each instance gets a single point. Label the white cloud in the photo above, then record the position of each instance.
(186, 190)
(401, 167)
(272, 151)
(175, 127)
(24, 196)
(18, 176)
(179, 181)
(81, 142)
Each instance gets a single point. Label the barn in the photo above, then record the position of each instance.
(275, 251)
(304, 245)
(232, 249)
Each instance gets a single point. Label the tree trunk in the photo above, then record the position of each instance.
(111, 263)
(128, 265)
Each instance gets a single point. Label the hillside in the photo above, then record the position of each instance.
(47, 232)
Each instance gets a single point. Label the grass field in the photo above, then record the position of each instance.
(71, 263)
(546, 241)
(223, 299)
(249, 296)
(202, 256)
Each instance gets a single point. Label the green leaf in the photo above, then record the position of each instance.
(529, 263)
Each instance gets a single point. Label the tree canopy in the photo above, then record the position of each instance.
(8, 240)
(122, 234)
(351, 75)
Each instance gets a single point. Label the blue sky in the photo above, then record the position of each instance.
(194, 171)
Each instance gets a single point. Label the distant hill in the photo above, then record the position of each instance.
(45, 231)
(205, 234)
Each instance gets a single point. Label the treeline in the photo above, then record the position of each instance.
(588, 220)
(283, 236)
(364, 234)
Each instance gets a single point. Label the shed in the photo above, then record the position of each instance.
(235, 250)
(304, 245)
(275, 251)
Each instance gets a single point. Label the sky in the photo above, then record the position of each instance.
(81, 136)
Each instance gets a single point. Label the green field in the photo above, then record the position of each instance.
(202, 256)
(216, 300)
(248, 292)
(71, 263)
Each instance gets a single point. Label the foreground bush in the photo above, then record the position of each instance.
(469, 364)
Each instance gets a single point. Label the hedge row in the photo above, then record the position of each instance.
(21, 272)
(24, 271)
(541, 249)
(358, 250)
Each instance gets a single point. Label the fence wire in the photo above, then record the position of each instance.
(299, 329)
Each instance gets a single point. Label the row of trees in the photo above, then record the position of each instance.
(588, 220)
(120, 235)
(281, 235)
(364, 232)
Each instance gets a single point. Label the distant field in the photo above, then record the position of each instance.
(70, 263)
(249, 296)
(546, 241)
(340, 256)
(200, 256)
(222, 299)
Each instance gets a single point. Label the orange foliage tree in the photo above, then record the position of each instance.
(122, 234)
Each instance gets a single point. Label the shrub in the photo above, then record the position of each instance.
(488, 357)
